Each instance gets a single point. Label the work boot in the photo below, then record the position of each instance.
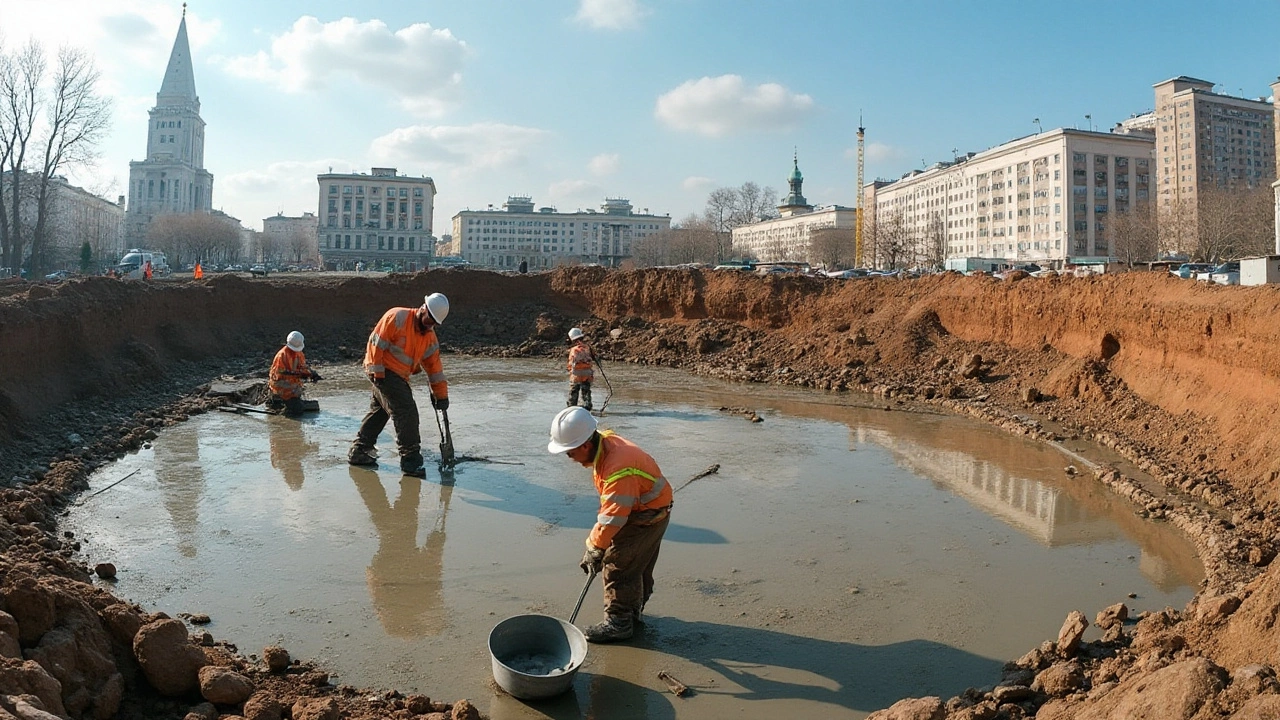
(613, 629)
(361, 456)
(412, 465)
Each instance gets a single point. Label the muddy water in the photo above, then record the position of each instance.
(844, 557)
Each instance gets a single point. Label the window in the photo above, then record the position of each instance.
(417, 192)
(333, 189)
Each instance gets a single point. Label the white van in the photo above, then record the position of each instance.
(131, 265)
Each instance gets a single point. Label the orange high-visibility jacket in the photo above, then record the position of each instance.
(199, 272)
(628, 481)
(580, 359)
(288, 371)
(397, 345)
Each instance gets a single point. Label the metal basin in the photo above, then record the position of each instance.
(536, 656)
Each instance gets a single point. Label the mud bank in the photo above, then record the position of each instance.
(1178, 378)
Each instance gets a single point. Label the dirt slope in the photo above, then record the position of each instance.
(1179, 377)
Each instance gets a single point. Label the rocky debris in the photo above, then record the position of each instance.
(927, 708)
(1071, 633)
(1217, 608)
(203, 711)
(105, 570)
(1112, 615)
(315, 709)
(28, 677)
(276, 657)
(748, 413)
(24, 707)
(1059, 679)
(263, 706)
(224, 686)
(169, 661)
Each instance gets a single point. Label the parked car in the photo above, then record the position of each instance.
(1228, 273)
(1188, 271)
(848, 274)
(258, 270)
(60, 275)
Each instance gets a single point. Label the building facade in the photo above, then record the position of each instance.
(294, 239)
(1047, 198)
(378, 220)
(544, 238)
(74, 216)
(789, 236)
(1207, 141)
(172, 178)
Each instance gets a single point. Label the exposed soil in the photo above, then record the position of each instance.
(1179, 378)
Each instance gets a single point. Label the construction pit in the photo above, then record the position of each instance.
(902, 521)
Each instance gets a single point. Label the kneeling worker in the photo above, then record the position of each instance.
(401, 344)
(288, 371)
(580, 371)
(635, 509)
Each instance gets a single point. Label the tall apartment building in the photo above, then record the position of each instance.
(296, 239)
(74, 216)
(544, 238)
(1047, 198)
(172, 179)
(789, 236)
(1207, 140)
(379, 219)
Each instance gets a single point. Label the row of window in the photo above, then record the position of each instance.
(362, 242)
(359, 190)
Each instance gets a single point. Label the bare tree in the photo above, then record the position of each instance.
(300, 244)
(186, 238)
(690, 241)
(66, 119)
(1136, 236)
(932, 251)
(832, 247)
(719, 215)
(1234, 223)
(894, 241)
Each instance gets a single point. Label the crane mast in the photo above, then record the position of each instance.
(857, 233)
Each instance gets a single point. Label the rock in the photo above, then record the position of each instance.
(168, 659)
(31, 605)
(75, 439)
(224, 686)
(1012, 693)
(276, 657)
(1217, 608)
(1060, 679)
(315, 709)
(1175, 692)
(1072, 631)
(27, 677)
(199, 619)
(1254, 679)
(105, 570)
(1262, 707)
(263, 706)
(9, 646)
(24, 707)
(203, 711)
(926, 708)
(464, 710)
(1030, 395)
(1112, 615)
(122, 621)
(418, 704)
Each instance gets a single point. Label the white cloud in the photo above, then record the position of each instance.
(697, 183)
(458, 147)
(569, 195)
(611, 14)
(723, 105)
(288, 186)
(419, 64)
(605, 164)
(879, 152)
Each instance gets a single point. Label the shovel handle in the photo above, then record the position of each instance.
(582, 596)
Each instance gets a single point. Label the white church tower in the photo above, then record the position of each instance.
(172, 179)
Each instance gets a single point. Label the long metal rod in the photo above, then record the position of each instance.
(582, 596)
(607, 384)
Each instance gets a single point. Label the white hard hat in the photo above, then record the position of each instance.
(438, 306)
(575, 333)
(295, 341)
(571, 428)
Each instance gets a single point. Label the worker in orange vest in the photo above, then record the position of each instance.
(146, 270)
(288, 371)
(580, 371)
(199, 271)
(635, 509)
(402, 343)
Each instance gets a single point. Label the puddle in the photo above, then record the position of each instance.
(842, 558)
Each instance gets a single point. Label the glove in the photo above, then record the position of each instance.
(593, 560)
(439, 403)
(315, 376)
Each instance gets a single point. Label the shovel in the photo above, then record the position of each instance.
(446, 439)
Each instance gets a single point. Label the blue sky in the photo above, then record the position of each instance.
(659, 101)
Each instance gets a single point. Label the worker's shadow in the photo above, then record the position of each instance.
(761, 664)
(596, 693)
(507, 492)
(288, 446)
(405, 579)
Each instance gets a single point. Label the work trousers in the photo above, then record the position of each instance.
(292, 407)
(628, 567)
(392, 399)
(585, 389)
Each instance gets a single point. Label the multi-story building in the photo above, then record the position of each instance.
(74, 216)
(294, 239)
(1048, 198)
(544, 238)
(382, 219)
(1205, 140)
(172, 179)
(789, 236)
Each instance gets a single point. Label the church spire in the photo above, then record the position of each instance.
(179, 85)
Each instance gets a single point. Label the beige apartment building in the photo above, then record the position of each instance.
(379, 219)
(789, 237)
(293, 239)
(1050, 198)
(1204, 141)
(544, 238)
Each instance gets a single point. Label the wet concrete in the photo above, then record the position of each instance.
(842, 558)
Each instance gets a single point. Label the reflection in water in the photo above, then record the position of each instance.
(288, 447)
(405, 581)
(181, 479)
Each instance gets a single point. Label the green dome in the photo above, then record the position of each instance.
(795, 173)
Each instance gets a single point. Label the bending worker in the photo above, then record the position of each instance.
(580, 371)
(288, 371)
(401, 344)
(635, 509)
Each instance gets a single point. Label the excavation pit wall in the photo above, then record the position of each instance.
(1179, 379)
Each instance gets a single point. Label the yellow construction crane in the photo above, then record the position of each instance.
(857, 232)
